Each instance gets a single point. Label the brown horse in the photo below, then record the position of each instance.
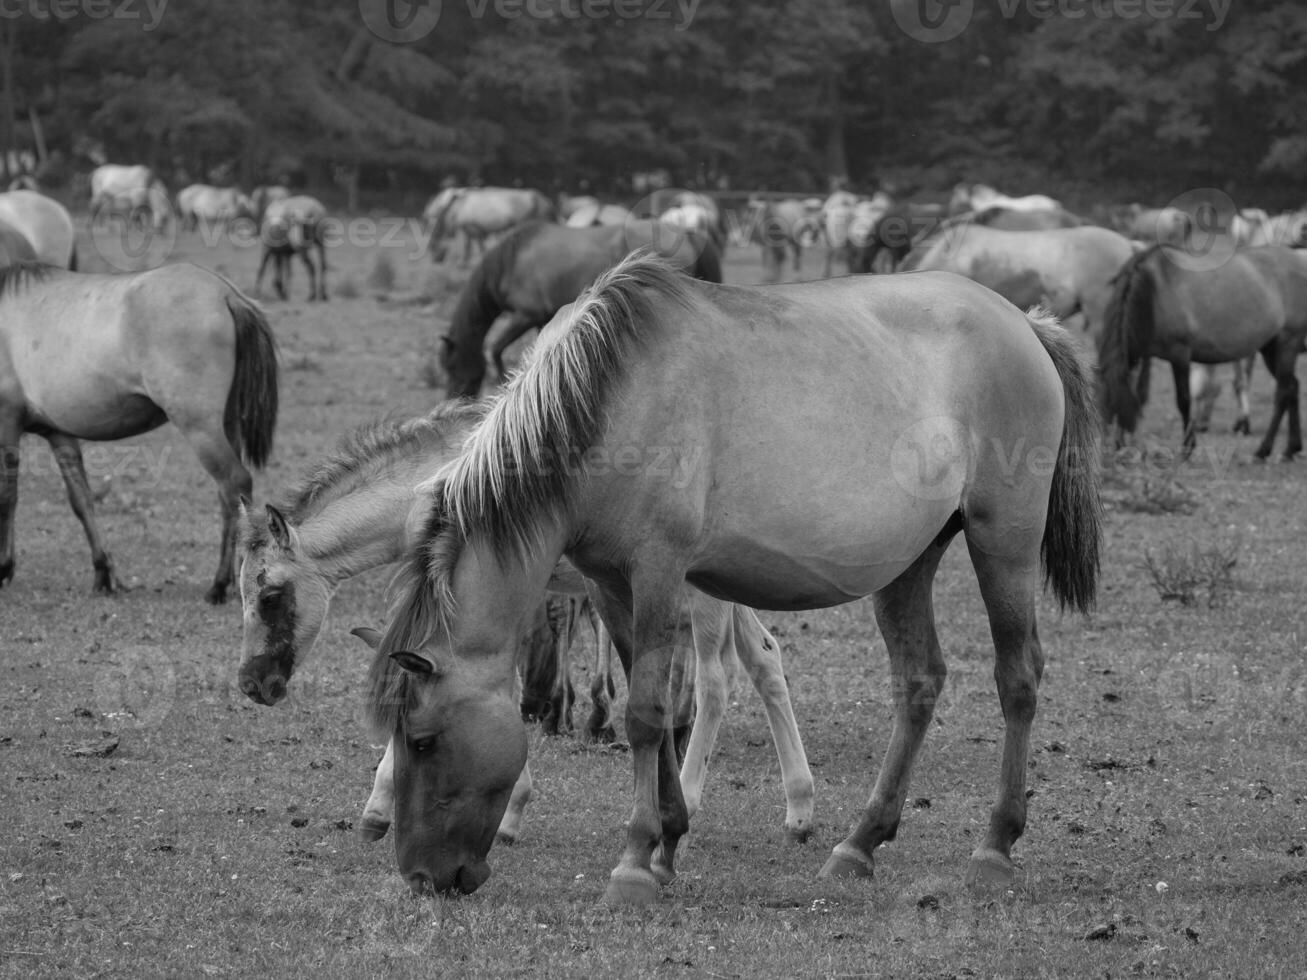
(1254, 302)
(537, 270)
(107, 357)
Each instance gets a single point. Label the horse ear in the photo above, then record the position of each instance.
(368, 635)
(279, 528)
(415, 663)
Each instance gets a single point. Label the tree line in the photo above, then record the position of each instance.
(1129, 99)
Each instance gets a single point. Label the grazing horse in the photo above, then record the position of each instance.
(691, 212)
(14, 246)
(892, 231)
(1068, 270)
(1164, 226)
(107, 357)
(1254, 302)
(597, 213)
(45, 223)
(780, 227)
(358, 511)
(538, 269)
(479, 212)
(212, 205)
(816, 473)
(294, 226)
(982, 197)
(1288, 229)
(132, 191)
(263, 196)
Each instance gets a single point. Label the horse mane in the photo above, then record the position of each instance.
(362, 453)
(19, 274)
(1126, 339)
(522, 461)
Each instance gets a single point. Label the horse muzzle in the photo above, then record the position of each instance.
(262, 688)
(467, 879)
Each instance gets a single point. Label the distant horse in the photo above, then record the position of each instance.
(892, 232)
(358, 511)
(107, 357)
(598, 213)
(262, 197)
(1288, 229)
(982, 197)
(836, 218)
(695, 213)
(1068, 270)
(1254, 302)
(212, 205)
(14, 246)
(822, 471)
(782, 227)
(294, 226)
(1164, 226)
(45, 223)
(540, 268)
(133, 192)
(479, 212)
(1204, 389)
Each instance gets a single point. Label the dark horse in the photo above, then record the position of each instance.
(107, 357)
(1255, 301)
(537, 270)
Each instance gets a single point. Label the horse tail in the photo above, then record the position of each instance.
(1127, 337)
(1072, 531)
(708, 261)
(252, 399)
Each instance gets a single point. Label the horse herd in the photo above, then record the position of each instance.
(669, 458)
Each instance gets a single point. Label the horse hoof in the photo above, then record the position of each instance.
(216, 596)
(663, 873)
(631, 886)
(508, 837)
(371, 831)
(989, 868)
(799, 833)
(847, 861)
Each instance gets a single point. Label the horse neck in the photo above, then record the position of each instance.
(366, 527)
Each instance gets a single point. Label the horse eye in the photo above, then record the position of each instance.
(424, 744)
(270, 601)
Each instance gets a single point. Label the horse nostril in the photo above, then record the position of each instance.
(250, 688)
(276, 689)
(419, 884)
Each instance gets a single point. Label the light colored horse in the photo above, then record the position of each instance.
(294, 226)
(982, 197)
(1164, 226)
(263, 196)
(359, 511)
(212, 205)
(695, 213)
(598, 213)
(130, 191)
(14, 246)
(1289, 229)
(1068, 270)
(1254, 302)
(45, 223)
(107, 357)
(480, 212)
(535, 271)
(832, 438)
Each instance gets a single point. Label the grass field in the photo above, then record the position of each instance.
(1168, 824)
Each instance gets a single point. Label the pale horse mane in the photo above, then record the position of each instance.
(523, 461)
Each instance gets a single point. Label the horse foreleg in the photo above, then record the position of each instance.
(68, 453)
(10, 434)
(263, 265)
(1281, 363)
(713, 635)
(379, 810)
(761, 656)
(602, 688)
(906, 618)
(307, 259)
(1180, 375)
(659, 815)
(322, 270)
(1243, 378)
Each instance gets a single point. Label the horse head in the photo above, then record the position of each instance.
(284, 602)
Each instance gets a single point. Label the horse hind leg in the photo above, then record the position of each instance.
(905, 614)
(215, 448)
(68, 454)
(10, 434)
(602, 689)
(1243, 376)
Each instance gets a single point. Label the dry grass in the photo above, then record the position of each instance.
(216, 840)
